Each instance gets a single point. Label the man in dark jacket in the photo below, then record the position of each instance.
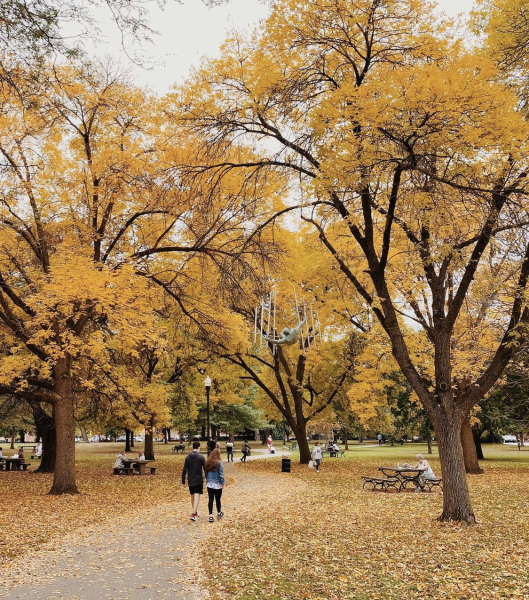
(194, 466)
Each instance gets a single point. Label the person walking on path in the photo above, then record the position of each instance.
(316, 456)
(229, 450)
(245, 450)
(270, 443)
(194, 469)
(214, 483)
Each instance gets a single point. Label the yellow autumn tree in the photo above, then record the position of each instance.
(97, 212)
(412, 153)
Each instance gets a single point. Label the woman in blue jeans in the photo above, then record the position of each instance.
(214, 483)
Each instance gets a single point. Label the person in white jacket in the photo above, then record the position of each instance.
(316, 456)
(427, 472)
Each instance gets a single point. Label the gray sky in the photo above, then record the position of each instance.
(190, 30)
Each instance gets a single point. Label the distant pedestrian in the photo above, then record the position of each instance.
(229, 450)
(214, 483)
(269, 443)
(316, 456)
(518, 441)
(379, 438)
(194, 469)
(212, 444)
(245, 450)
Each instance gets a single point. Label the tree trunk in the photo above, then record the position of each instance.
(521, 438)
(149, 440)
(345, 435)
(12, 438)
(64, 474)
(476, 433)
(84, 435)
(45, 425)
(469, 449)
(128, 435)
(429, 443)
(304, 449)
(22, 435)
(456, 496)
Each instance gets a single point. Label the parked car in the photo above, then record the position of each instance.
(509, 439)
(121, 438)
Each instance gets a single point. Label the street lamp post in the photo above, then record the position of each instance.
(207, 383)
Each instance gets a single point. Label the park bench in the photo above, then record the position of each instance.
(384, 483)
(431, 483)
(293, 446)
(178, 448)
(23, 466)
(123, 471)
(334, 453)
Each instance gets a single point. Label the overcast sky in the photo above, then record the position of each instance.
(189, 30)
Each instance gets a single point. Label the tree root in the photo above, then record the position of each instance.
(465, 521)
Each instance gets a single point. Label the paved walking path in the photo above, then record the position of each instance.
(144, 559)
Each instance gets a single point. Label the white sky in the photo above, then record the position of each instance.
(189, 30)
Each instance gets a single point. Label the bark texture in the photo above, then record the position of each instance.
(149, 440)
(456, 497)
(45, 425)
(476, 432)
(64, 474)
(469, 449)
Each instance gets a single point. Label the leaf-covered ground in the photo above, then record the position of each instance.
(301, 535)
(322, 537)
(29, 518)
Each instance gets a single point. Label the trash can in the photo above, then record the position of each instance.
(285, 465)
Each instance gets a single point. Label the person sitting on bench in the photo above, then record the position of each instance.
(427, 472)
(119, 464)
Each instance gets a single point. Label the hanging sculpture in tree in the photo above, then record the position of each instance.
(287, 336)
(265, 325)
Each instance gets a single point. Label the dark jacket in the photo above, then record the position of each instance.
(194, 467)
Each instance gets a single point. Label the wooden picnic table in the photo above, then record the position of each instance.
(404, 475)
(132, 462)
(12, 464)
